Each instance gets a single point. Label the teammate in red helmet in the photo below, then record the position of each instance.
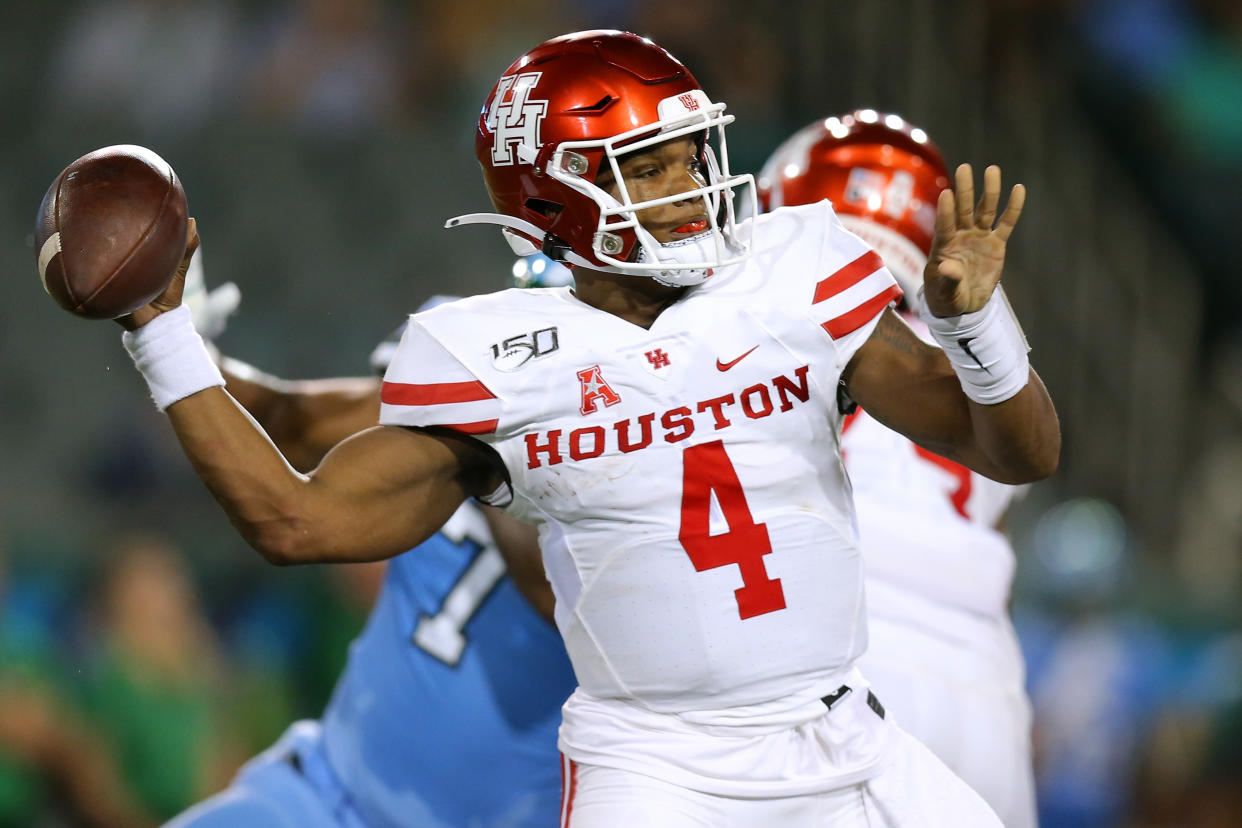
(942, 652)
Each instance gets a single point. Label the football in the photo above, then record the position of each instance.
(111, 232)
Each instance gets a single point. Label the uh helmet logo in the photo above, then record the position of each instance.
(514, 118)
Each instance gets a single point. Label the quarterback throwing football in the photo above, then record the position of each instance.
(672, 424)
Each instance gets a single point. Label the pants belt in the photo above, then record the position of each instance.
(844, 690)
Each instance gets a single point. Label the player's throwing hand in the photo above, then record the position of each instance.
(171, 297)
(968, 253)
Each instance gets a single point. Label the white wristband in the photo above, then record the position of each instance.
(987, 348)
(171, 357)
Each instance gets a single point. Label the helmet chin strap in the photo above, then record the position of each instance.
(694, 249)
(673, 278)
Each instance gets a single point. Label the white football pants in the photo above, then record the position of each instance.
(913, 788)
(965, 700)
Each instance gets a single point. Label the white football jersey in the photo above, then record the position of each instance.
(928, 525)
(942, 654)
(695, 517)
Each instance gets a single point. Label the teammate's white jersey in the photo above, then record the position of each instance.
(696, 520)
(942, 654)
(928, 523)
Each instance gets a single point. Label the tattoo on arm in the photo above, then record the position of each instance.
(897, 334)
(892, 334)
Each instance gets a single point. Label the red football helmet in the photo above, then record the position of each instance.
(882, 175)
(569, 109)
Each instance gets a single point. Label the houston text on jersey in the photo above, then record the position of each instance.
(634, 433)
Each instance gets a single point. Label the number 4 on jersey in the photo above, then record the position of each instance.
(706, 469)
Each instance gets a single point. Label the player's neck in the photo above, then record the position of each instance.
(636, 299)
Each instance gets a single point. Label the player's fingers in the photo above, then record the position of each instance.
(986, 212)
(1013, 211)
(964, 182)
(946, 206)
(191, 244)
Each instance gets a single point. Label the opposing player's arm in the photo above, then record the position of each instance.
(519, 546)
(374, 496)
(304, 418)
(991, 412)
(910, 387)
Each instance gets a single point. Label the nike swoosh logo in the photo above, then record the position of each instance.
(964, 344)
(725, 366)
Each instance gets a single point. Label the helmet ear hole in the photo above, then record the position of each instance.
(548, 209)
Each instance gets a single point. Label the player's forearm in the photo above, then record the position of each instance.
(1014, 434)
(241, 467)
(1018, 440)
(1014, 441)
(374, 496)
(390, 489)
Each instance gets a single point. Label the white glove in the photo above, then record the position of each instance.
(209, 309)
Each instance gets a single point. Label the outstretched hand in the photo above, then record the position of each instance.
(968, 253)
(171, 297)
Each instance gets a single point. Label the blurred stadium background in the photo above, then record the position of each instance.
(323, 142)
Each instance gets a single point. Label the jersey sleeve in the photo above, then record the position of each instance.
(426, 385)
(853, 286)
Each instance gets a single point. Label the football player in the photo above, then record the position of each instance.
(672, 425)
(447, 710)
(942, 652)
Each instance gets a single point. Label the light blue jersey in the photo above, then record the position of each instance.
(446, 715)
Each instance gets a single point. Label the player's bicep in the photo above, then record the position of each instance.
(387, 489)
(910, 387)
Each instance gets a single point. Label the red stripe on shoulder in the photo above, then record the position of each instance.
(850, 275)
(481, 427)
(852, 320)
(404, 393)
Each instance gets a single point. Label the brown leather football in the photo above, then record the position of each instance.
(111, 231)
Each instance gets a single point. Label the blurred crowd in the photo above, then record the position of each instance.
(144, 652)
(132, 692)
(1163, 79)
